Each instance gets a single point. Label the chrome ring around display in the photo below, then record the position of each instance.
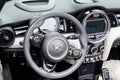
(107, 25)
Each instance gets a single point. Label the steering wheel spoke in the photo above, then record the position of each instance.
(38, 36)
(71, 36)
(48, 66)
(43, 31)
(36, 39)
(73, 40)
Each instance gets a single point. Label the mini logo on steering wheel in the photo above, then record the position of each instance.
(57, 48)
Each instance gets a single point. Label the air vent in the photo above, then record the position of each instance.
(66, 26)
(20, 31)
(62, 26)
(113, 20)
(118, 18)
(7, 37)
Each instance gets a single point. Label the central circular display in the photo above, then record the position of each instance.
(55, 47)
(97, 26)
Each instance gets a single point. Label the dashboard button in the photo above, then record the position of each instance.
(92, 60)
(87, 60)
(91, 37)
(70, 52)
(21, 43)
(100, 57)
(75, 53)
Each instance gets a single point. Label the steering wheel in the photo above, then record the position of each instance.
(55, 47)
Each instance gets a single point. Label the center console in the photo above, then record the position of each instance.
(97, 27)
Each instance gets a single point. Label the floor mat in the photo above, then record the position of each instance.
(22, 72)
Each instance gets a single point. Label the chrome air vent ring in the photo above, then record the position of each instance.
(7, 37)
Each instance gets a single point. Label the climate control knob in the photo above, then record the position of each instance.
(94, 50)
(102, 48)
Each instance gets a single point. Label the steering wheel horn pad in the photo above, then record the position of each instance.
(55, 47)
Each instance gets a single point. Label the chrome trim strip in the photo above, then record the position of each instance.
(16, 43)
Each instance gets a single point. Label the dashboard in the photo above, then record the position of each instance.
(100, 20)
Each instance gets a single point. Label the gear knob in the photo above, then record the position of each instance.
(99, 77)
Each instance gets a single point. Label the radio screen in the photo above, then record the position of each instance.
(95, 26)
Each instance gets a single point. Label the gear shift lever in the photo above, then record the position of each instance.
(105, 74)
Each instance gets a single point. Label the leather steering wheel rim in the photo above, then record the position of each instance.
(38, 23)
